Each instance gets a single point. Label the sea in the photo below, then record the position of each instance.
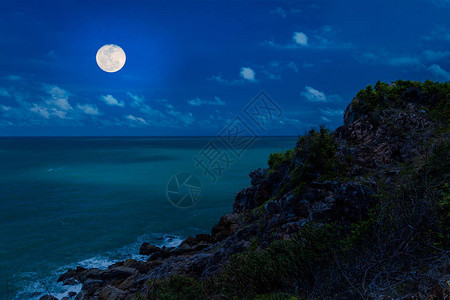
(92, 201)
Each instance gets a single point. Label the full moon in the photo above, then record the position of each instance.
(110, 58)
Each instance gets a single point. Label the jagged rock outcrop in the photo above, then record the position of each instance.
(280, 201)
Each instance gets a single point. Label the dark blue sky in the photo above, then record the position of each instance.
(193, 66)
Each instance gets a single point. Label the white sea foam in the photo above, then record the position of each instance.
(35, 287)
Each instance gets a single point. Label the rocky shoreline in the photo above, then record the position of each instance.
(369, 150)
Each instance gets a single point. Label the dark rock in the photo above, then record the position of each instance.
(292, 227)
(127, 283)
(72, 277)
(272, 208)
(72, 294)
(350, 115)
(130, 263)
(165, 252)
(227, 226)
(91, 287)
(301, 209)
(264, 185)
(244, 199)
(112, 293)
(114, 273)
(369, 144)
(252, 197)
(48, 297)
(199, 239)
(70, 281)
(145, 267)
(184, 248)
(148, 249)
(257, 176)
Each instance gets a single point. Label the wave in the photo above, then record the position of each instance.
(36, 285)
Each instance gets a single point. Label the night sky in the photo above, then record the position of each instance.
(193, 66)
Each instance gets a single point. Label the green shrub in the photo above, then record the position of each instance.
(433, 178)
(277, 296)
(175, 287)
(278, 267)
(317, 154)
(280, 157)
(433, 98)
(402, 235)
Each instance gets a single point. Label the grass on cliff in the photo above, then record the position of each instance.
(402, 244)
(314, 158)
(432, 97)
(400, 248)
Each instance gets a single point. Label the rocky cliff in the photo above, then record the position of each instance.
(361, 212)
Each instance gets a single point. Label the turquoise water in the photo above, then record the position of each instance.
(93, 201)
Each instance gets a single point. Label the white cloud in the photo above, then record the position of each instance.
(88, 109)
(314, 95)
(61, 103)
(5, 123)
(224, 81)
(271, 44)
(323, 38)
(439, 72)
(325, 119)
(300, 38)
(136, 119)
(13, 77)
(293, 66)
(199, 102)
(440, 3)
(152, 113)
(438, 33)
(248, 73)
(53, 108)
(274, 64)
(110, 100)
(59, 98)
(137, 100)
(186, 118)
(170, 118)
(279, 11)
(51, 54)
(57, 106)
(332, 112)
(433, 55)
(271, 75)
(285, 12)
(275, 69)
(40, 110)
(60, 114)
(403, 61)
(391, 59)
(4, 93)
